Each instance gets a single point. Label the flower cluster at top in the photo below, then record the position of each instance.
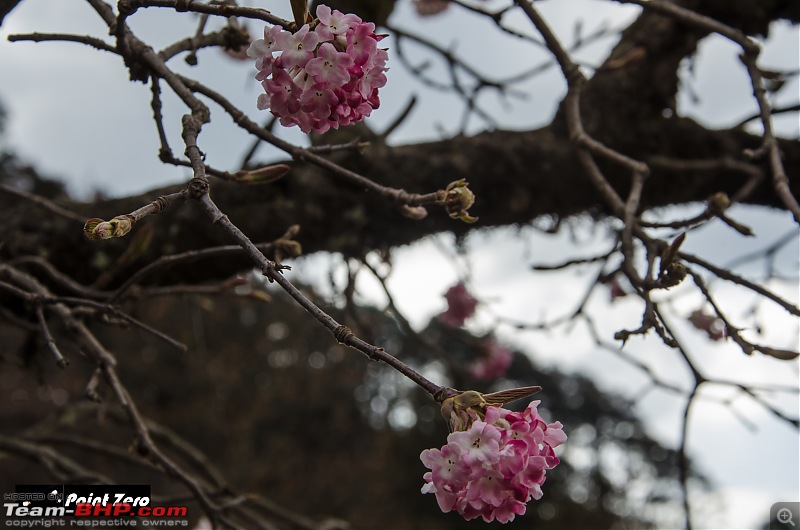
(322, 78)
(495, 466)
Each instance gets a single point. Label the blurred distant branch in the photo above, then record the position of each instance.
(730, 276)
(775, 110)
(768, 254)
(43, 203)
(60, 466)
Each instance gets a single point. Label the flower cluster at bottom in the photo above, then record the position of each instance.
(495, 467)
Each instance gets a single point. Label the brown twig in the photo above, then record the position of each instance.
(94, 42)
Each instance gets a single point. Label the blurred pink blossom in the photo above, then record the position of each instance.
(615, 289)
(493, 363)
(460, 306)
(713, 326)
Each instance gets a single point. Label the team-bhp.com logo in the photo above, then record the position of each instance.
(89, 502)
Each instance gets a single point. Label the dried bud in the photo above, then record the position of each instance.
(286, 246)
(672, 276)
(718, 203)
(416, 213)
(261, 175)
(289, 247)
(463, 409)
(783, 355)
(235, 42)
(671, 252)
(457, 199)
(672, 271)
(291, 232)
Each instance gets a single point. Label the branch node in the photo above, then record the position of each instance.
(198, 187)
(342, 334)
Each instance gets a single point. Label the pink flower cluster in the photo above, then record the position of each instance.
(460, 306)
(493, 363)
(496, 466)
(323, 78)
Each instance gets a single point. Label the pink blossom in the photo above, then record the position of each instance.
(492, 363)
(370, 83)
(460, 306)
(262, 49)
(284, 93)
(298, 48)
(318, 100)
(362, 43)
(334, 22)
(335, 71)
(481, 443)
(330, 66)
(494, 467)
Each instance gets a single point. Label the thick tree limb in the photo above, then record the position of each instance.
(517, 177)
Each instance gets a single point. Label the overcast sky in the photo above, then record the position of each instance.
(74, 114)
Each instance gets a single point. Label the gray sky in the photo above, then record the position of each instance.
(74, 114)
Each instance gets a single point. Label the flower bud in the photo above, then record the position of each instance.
(457, 199)
(718, 203)
(98, 229)
(462, 410)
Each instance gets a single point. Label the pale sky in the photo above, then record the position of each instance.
(74, 114)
